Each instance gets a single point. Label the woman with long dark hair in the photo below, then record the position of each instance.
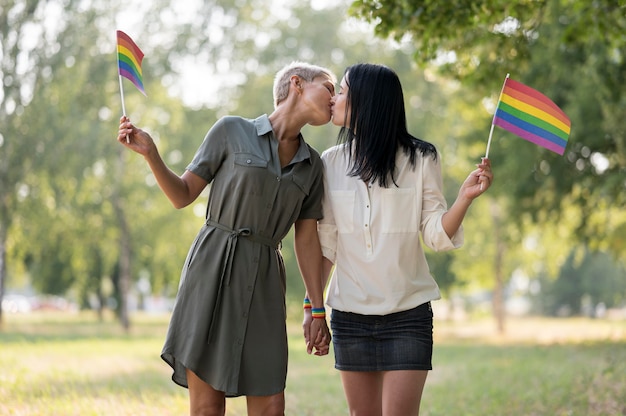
(383, 189)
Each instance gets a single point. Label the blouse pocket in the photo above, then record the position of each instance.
(251, 160)
(249, 176)
(399, 210)
(343, 210)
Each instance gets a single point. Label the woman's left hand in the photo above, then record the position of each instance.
(478, 181)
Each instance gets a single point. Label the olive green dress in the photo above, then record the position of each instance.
(228, 322)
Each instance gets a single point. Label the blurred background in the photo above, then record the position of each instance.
(83, 225)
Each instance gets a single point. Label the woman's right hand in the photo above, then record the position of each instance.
(134, 138)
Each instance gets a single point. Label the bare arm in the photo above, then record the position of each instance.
(180, 190)
(309, 256)
(475, 184)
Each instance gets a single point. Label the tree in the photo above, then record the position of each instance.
(21, 69)
(81, 212)
(571, 50)
(57, 144)
(587, 279)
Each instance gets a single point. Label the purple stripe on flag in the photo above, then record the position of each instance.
(132, 78)
(526, 135)
(530, 127)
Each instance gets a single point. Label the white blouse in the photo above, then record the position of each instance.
(372, 235)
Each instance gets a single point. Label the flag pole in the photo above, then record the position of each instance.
(494, 117)
(123, 106)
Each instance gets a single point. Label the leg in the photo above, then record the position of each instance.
(402, 392)
(273, 405)
(363, 391)
(204, 400)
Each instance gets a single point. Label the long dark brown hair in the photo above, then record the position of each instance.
(377, 128)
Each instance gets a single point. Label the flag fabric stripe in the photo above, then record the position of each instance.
(531, 128)
(532, 120)
(512, 85)
(131, 76)
(526, 135)
(532, 116)
(126, 55)
(130, 70)
(534, 133)
(537, 112)
(129, 58)
(535, 102)
(125, 41)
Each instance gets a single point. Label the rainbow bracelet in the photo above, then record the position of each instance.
(318, 313)
(306, 304)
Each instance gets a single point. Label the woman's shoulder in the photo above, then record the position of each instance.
(230, 120)
(234, 124)
(226, 122)
(333, 152)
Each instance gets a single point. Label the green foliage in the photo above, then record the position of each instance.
(463, 26)
(70, 195)
(586, 280)
(572, 51)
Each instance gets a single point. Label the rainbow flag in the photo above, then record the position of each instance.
(129, 58)
(532, 116)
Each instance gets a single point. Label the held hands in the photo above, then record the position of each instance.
(134, 138)
(478, 180)
(316, 334)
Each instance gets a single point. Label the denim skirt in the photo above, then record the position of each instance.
(398, 341)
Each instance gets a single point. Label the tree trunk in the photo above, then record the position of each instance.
(125, 245)
(125, 278)
(3, 268)
(498, 291)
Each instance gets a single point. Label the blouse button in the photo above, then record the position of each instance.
(248, 161)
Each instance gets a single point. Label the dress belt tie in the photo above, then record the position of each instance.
(227, 267)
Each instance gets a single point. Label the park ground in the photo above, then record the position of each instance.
(54, 363)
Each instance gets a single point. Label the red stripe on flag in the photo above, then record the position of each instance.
(124, 40)
(532, 97)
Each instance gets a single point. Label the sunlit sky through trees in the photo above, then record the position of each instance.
(192, 68)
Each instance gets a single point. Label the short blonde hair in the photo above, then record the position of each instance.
(304, 70)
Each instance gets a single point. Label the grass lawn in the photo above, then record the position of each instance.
(71, 364)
